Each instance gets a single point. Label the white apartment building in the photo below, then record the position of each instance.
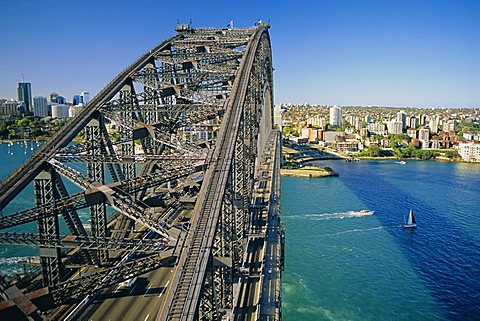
(449, 125)
(424, 134)
(336, 116)
(376, 129)
(395, 127)
(60, 111)
(40, 106)
(470, 152)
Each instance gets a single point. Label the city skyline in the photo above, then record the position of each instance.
(413, 53)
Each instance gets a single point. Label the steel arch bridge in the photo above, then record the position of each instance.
(167, 166)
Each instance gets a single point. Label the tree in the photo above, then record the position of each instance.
(374, 151)
(287, 130)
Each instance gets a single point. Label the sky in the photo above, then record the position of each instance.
(423, 53)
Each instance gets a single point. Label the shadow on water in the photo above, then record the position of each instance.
(446, 258)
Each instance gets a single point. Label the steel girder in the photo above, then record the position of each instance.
(214, 210)
(193, 90)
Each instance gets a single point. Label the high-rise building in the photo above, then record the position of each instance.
(60, 111)
(10, 107)
(423, 134)
(434, 123)
(413, 122)
(394, 127)
(336, 116)
(40, 106)
(85, 97)
(24, 91)
(401, 117)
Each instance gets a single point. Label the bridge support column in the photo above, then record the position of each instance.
(127, 100)
(50, 258)
(98, 212)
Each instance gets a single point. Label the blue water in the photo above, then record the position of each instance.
(10, 158)
(343, 266)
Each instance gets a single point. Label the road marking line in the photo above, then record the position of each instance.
(147, 317)
(164, 289)
(147, 290)
(132, 289)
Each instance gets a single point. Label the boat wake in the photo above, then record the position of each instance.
(331, 216)
(353, 231)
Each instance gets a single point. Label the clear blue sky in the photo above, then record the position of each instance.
(396, 53)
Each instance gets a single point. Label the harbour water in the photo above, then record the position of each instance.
(341, 265)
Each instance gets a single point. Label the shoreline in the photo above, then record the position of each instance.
(308, 172)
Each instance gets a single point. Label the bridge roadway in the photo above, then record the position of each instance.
(260, 290)
(16, 181)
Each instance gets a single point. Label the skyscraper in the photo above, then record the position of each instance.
(40, 106)
(336, 116)
(24, 90)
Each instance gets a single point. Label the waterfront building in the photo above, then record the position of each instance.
(345, 147)
(24, 91)
(336, 116)
(470, 152)
(40, 106)
(331, 136)
(395, 127)
(59, 111)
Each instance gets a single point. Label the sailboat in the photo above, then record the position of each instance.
(411, 220)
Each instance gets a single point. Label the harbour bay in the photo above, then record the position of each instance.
(341, 265)
(344, 266)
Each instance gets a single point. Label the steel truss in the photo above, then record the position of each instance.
(198, 103)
